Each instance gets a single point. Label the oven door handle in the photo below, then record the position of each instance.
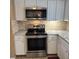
(36, 36)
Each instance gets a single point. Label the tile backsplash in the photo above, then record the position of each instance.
(56, 25)
(21, 25)
(14, 25)
(49, 25)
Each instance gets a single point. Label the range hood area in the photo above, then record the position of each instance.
(50, 10)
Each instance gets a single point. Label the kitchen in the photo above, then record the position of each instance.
(40, 29)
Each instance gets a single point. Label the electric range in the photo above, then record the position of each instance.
(36, 41)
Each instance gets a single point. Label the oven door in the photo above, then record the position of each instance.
(35, 44)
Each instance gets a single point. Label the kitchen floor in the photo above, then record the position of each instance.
(31, 58)
(47, 57)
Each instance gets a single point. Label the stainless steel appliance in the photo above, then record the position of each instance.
(38, 13)
(36, 41)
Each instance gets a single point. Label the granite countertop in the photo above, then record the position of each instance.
(63, 34)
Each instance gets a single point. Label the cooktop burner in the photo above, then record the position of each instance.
(36, 30)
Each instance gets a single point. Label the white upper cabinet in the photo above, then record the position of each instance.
(41, 3)
(35, 3)
(51, 10)
(30, 3)
(19, 9)
(56, 9)
(66, 10)
(60, 9)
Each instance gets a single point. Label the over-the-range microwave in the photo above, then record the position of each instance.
(36, 13)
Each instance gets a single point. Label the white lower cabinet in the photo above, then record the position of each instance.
(62, 48)
(20, 45)
(51, 44)
(59, 48)
(65, 48)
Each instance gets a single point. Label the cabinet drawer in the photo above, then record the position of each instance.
(52, 37)
(20, 38)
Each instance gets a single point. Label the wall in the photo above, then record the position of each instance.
(12, 28)
(12, 17)
(12, 49)
(68, 26)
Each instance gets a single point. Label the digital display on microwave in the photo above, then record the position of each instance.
(30, 13)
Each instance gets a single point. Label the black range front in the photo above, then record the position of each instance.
(36, 44)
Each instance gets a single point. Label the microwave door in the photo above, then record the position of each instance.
(36, 14)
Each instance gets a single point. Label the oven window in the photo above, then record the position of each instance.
(36, 44)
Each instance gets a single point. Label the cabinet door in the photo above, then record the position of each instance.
(66, 54)
(65, 50)
(66, 10)
(20, 46)
(59, 47)
(19, 10)
(51, 12)
(60, 9)
(51, 45)
(41, 3)
(62, 48)
(30, 3)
